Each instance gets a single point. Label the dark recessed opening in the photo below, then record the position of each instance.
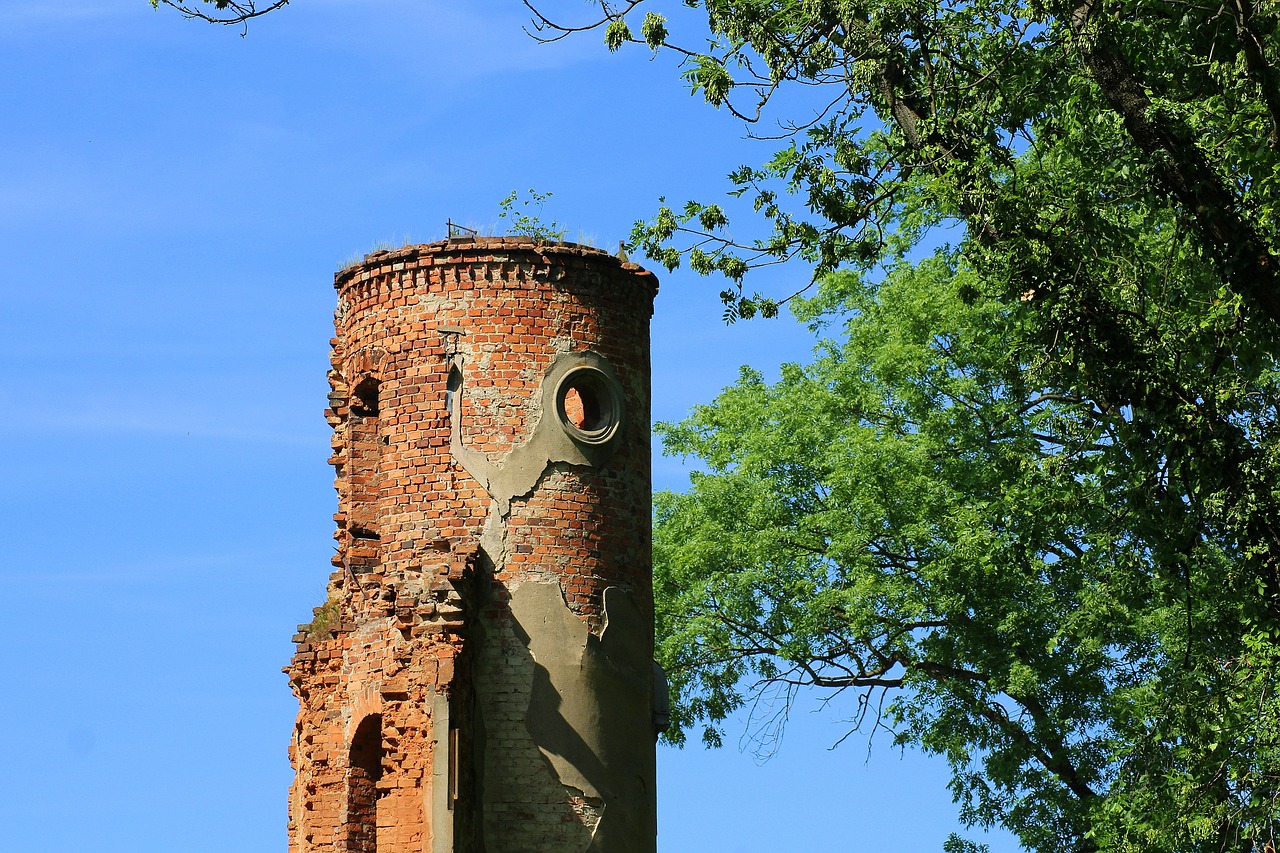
(589, 403)
(364, 400)
(451, 389)
(363, 772)
(582, 408)
(366, 747)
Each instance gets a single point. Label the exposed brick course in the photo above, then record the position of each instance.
(416, 684)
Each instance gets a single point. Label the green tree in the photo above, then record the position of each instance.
(1029, 492)
(915, 517)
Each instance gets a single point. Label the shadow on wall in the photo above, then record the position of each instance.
(578, 683)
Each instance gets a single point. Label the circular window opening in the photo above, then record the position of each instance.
(589, 404)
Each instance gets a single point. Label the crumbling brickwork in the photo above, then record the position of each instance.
(480, 679)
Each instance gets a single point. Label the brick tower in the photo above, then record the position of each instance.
(480, 679)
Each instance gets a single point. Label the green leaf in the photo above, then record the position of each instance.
(616, 34)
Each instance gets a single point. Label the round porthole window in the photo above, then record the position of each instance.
(589, 404)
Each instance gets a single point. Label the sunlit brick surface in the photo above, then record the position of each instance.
(417, 638)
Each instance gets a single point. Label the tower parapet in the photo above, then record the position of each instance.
(480, 678)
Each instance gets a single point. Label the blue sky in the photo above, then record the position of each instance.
(174, 200)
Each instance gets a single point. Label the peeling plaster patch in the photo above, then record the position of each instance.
(588, 809)
(521, 467)
(519, 783)
(493, 540)
(587, 690)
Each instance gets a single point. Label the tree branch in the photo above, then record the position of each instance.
(1239, 249)
(1256, 61)
(239, 13)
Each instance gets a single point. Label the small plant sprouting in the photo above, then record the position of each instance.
(528, 224)
(327, 617)
(388, 245)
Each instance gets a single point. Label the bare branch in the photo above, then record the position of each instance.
(229, 13)
(541, 23)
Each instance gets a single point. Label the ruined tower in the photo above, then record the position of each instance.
(480, 678)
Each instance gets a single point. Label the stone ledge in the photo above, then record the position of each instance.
(387, 261)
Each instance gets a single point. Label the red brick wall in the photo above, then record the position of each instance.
(427, 554)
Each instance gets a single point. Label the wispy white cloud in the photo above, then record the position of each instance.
(231, 565)
(57, 198)
(172, 425)
(144, 417)
(449, 44)
(15, 12)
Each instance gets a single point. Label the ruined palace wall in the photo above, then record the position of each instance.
(480, 677)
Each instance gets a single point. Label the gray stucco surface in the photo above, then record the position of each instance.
(519, 470)
(590, 695)
(589, 709)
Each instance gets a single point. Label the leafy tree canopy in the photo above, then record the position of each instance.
(1025, 502)
(994, 566)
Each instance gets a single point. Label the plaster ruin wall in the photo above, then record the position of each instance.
(480, 678)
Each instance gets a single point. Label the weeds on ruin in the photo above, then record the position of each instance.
(328, 617)
(525, 223)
